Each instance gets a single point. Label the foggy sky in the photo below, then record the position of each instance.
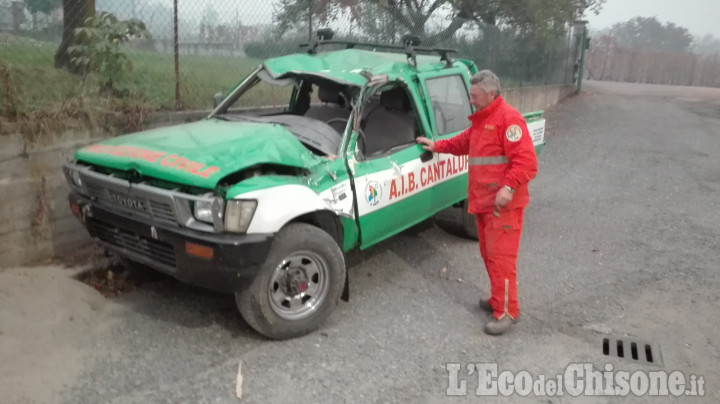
(700, 17)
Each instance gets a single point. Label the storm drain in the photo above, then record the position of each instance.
(636, 351)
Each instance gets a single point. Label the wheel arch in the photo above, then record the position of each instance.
(326, 220)
(330, 223)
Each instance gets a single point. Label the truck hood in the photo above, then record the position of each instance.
(201, 153)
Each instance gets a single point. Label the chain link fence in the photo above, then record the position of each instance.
(176, 54)
(609, 61)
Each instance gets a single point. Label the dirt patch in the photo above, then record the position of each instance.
(105, 272)
(88, 256)
(117, 279)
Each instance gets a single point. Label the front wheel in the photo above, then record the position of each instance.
(297, 287)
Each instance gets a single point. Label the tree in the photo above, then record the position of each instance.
(42, 6)
(75, 12)
(707, 45)
(649, 33)
(412, 16)
(377, 26)
(208, 24)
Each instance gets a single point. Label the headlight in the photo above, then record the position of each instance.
(73, 177)
(238, 214)
(203, 211)
(76, 178)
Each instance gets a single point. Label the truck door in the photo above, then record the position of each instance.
(448, 102)
(385, 163)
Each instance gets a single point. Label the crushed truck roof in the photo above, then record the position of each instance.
(347, 65)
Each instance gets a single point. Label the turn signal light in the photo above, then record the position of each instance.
(75, 209)
(199, 250)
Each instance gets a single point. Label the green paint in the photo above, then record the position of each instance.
(262, 182)
(166, 153)
(318, 178)
(533, 116)
(327, 174)
(373, 231)
(350, 234)
(346, 65)
(400, 218)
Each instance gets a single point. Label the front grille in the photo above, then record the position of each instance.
(145, 246)
(160, 211)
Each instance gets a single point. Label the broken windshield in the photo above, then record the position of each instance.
(313, 108)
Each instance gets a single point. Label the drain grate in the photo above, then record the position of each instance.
(636, 351)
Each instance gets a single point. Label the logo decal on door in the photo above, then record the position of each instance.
(373, 193)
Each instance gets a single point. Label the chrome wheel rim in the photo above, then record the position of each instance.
(299, 285)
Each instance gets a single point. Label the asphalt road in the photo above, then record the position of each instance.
(620, 241)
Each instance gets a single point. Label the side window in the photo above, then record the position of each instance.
(388, 120)
(450, 103)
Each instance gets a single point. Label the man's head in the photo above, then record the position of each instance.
(484, 88)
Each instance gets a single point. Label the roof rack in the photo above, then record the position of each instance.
(408, 48)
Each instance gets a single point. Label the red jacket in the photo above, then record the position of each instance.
(497, 131)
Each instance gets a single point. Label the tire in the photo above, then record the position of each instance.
(469, 224)
(298, 286)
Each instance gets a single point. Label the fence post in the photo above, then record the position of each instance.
(18, 15)
(176, 54)
(583, 43)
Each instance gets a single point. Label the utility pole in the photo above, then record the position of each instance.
(310, 21)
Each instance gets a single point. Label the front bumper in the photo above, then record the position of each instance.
(229, 262)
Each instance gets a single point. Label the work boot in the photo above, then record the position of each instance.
(485, 305)
(499, 327)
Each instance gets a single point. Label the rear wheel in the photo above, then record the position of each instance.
(297, 287)
(469, 223)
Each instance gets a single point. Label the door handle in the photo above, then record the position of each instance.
(426, 156)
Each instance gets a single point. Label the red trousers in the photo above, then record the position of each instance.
(499, 238)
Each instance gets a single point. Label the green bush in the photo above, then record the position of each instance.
(98, 46)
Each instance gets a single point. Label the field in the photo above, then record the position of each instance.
(30, 83)
(33, 92)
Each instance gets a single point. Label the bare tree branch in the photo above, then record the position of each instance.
(397, 15)
(435, 6)
(447, 33)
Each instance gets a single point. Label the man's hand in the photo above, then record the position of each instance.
(502, 198)
(428, 144)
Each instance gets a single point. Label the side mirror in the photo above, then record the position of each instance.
(217, 99)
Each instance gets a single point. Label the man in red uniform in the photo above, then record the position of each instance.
(502, 162)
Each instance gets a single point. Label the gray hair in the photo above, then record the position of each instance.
(487, 80)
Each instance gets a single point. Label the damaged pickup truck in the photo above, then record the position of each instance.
(266, 204)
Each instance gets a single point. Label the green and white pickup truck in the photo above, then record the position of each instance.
(265, 203)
